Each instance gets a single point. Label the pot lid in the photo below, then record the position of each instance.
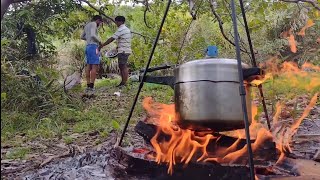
(213, 69)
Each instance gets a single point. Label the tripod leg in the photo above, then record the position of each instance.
(264, 106)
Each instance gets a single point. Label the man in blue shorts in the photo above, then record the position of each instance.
(90, 35)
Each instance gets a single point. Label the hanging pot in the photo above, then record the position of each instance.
(207, 94)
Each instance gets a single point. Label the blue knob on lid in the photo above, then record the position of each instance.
(212, 51)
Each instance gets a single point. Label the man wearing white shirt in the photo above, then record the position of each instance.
(123, 37)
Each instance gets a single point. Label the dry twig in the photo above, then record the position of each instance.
(216, 15)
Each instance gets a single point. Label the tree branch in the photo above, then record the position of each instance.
(192, 9)
(221, 25)
(147, 9)
(193, 13)
(144, 37)
(98, 10)
(145, 17)
(314, 3)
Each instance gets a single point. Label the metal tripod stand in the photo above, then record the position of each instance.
(241, 88)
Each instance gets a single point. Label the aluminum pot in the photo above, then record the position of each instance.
(207, 95)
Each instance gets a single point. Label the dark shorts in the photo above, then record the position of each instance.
(91, 54)
(123, 58)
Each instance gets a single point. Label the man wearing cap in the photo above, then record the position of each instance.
(90, 35)
(123, 37)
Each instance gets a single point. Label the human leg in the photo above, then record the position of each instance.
(94, 61)
(93, 74)
(88, 69)
(124, 73)
(122, 61)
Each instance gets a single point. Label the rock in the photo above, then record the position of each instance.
(117, 93)
(75, 135)
(72, 80)
(134, 78)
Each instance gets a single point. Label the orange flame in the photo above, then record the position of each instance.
(285, 137)
(310, 66)
(292, 43)
(257, 82)
(181, 147)
(290, 36)
(159, 113)
(290, 67)
(262, 136)
(174, 145)
(314, 82)
(292, 73)
(278, 111)
(308, 25)
(291, 40)
(184, 145)
(282, 155)
(305, 113)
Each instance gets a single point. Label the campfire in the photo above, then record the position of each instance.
(172, 152)
(174, 145)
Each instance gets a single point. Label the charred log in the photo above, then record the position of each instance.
(130, 162)
(135, 164)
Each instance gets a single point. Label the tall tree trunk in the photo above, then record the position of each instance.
(4, 6)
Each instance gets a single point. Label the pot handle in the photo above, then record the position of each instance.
(163, 80)
(156, 68)
(249, 73)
